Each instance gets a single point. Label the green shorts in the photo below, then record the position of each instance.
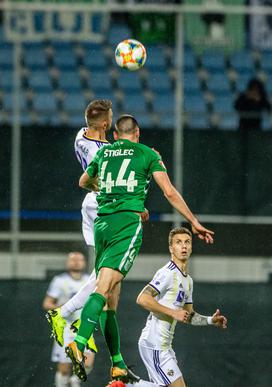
(118, 238)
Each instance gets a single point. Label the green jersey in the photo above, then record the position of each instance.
(124, 170)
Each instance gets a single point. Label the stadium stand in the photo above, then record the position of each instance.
(84, 70)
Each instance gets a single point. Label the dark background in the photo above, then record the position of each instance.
(238, 357)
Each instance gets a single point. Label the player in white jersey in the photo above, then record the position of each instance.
(61, 289)
(169, 298)
(89, 140)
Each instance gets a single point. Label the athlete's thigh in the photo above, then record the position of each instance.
(161, 366)
(178, 383)
(118, 238)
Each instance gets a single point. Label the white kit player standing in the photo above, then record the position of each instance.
(61, 289)
(169, 299)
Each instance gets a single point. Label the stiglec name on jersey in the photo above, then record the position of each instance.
(118, 152)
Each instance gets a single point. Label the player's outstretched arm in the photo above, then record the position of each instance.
(177, 201)
(147, 300)
(87, 182)
(197, 319)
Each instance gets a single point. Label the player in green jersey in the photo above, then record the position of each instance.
(124, 170)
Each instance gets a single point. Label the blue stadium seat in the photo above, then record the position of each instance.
(35, 57)
(117, 33)
(243, 79)
(189, 60)
(164, 103)
(8, 101)
(194, 103)
(155, 58)
(134, 103)
(99, 80)
(242, 60)
(191, 82)
(218, 83)
(6, 80)
(65, 59)
(69, 81)
(129, 81)
(228, 122)
(159, 81)
(197, 121)
(76, 119)
(224, 104)
(166, 121)
(95, 58)
(74, 102)
(44, 103)
(145, 120)
(213, 60)
(40, 80)
(267, 122)
(266, 61)
(6, 56)
(107, 94)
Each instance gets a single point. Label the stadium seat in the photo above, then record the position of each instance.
(189, 60)
(107, 94)
(228, 122)
(69, 81)
(194, 104)
(224, 104)
(35, 57)
(197, 121)
(266, 61)
(145, 121)
(95, 59)
(166, 121)
(99, 80)
(155, 58)
(159, 81)
(65, 59)
(8, 101)
(164, 103)
(44, 103)
(243, 79)
(267, 122)
(191, 82)
(6, 56)
(39, 80)
(218, 83)
(117, 33)
(129, 81)
(213, 60)
(6, 80)
(134, 103)
(242, 60)
(74, 102)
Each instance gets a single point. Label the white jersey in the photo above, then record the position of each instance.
(85, 149)
(175, 290)
(63, 287)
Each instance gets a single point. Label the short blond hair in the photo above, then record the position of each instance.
(97, 110)
(178, 230)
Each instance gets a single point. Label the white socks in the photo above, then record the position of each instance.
(61, 380)
(74, 381)
(77, 302)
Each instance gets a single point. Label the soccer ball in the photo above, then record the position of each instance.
(130, 54)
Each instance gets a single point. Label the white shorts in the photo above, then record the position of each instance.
(89, 213)
(58, 352)
(162, 366)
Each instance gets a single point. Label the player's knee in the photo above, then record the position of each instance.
(64, 368)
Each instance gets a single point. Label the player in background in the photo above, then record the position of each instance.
(89, 140)
(124, 170)
(169, 299)
(61, 289)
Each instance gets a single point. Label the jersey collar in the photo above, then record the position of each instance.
(173, 266)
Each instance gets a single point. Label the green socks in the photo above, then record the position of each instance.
(110, 330)
(89, 318)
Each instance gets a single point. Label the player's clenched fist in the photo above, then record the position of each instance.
(180, 315)
(219, 320)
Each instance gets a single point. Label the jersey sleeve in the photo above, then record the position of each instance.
(190, 295)
(160, 281)
(54, 289)
(92, 169)
(156, 163)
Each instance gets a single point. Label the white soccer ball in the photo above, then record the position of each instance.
(130, 54)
